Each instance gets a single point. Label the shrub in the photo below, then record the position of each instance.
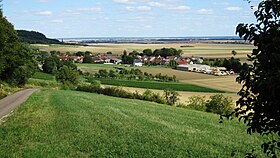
(171, 96)
(92, 88)
(219, 104)
(197, 103)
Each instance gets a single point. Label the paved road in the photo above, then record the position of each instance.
(13, 101)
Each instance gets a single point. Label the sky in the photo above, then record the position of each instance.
(128, 18)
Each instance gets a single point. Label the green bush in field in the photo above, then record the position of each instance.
(154, 97)
(219, 104)
(171, 96)
(92, 88)
(197, 103)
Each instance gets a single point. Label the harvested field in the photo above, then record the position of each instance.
(226, 83)
(184, 96)
(198, 49)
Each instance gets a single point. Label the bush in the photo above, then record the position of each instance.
(219, 104)
(92, 88)
(197, 103)
(171, 96)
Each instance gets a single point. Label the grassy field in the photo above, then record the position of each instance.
(43, 76)
(198, 49)
(158, 85)
(75, 124)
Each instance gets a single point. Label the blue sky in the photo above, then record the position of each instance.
(128, 18)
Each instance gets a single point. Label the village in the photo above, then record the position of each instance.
(191, 64)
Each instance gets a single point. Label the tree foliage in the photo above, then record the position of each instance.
(17, 62)
(259, 103)
(219, 104)
(67, 76)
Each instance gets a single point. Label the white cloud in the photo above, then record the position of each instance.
(57, 21)
(204, 11)
(44, 13)
(123, 1)
(233, 8)
(156, 4)
(180, 8)
(131, 8)
(89, 9)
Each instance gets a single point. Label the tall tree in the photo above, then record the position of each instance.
(17, 62)
(259, 104)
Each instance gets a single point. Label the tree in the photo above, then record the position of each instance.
(171, 96)
(147, 52)
(233, 53)
(87, 59)
(49, 65)
(259, 99)
(67, 76)
(173, 63)
(219, 104)
(17, 62)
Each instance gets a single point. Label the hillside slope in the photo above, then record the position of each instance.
(33, 37)
(56, 123)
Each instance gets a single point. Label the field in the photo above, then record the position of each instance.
(223, 83)
(177, 86)
(56, 123)
(197, 49)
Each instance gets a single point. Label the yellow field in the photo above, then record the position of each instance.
(184, 96)
(198, 49)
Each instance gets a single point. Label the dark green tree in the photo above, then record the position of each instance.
(147, 52)
(259, 103)
(173, 63)
(17, 62)
(80, 53)
(49, 65)
(87, 59)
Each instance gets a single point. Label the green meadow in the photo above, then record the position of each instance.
(55, 123)
(177, 86)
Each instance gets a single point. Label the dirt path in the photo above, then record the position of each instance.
(13, 101)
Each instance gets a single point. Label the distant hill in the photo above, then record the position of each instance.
(33, 37)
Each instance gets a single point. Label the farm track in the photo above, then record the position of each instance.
(13, 101)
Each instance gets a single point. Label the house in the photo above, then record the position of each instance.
(76, 59)
(138, 63)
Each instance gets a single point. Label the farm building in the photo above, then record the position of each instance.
(193, 67)
(137, 62)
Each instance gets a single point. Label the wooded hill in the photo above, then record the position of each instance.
(33, 37)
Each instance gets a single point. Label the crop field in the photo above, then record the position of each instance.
(177, 86)
(223, 83)
(197, 49)
(183, 95)
(56, 123)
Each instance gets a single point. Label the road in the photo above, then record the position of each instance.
(13, 101)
